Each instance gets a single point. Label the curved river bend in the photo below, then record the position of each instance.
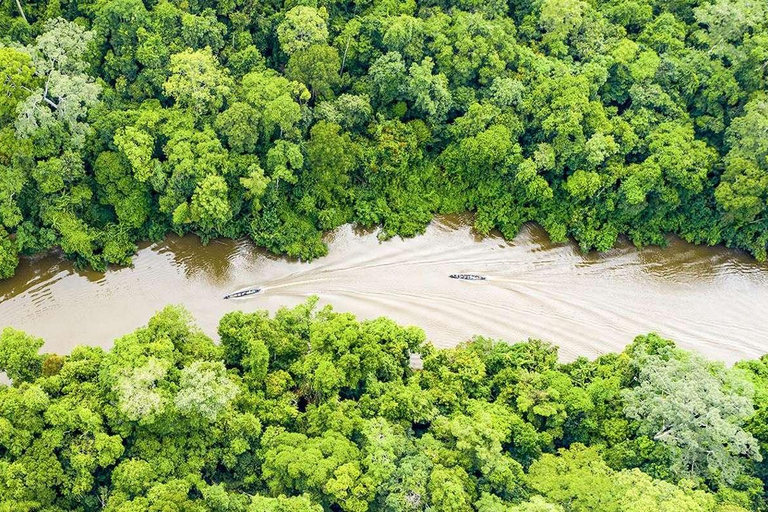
(713, 300)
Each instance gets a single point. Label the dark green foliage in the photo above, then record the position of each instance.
(123, 119)
(311, 411)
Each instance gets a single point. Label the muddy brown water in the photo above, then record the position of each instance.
(710, 299)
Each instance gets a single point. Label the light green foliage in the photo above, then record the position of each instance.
(195, 160)
(349, 111)
(429, 92)
(129, 197)
(210, 208)
(448, 489)
(583, 184)
(136, 390)
(295, 463)
(123, 120)
(471, 48)
(284, 160)
(276, 99)
(317, 67)
(474, 442)
(579, 480)
(536, 504)
(332, 158)
(255, 184)
(558, 20)
(17, 78)
(283, 504)
(743, 191)
(204, 390)
(203, 30)
(246, 340)
(727, 21)
(302, 27)
(13, 180)
(698, 409)
(137, 147)
(19, 357)
(594, 119)
(311, 410)
(197, 82)
(9, 257)
(388, 77)
(237, 125)
(65, 92)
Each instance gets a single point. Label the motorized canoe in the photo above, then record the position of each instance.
(467, 277)
(243, 293)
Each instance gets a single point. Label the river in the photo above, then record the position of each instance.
(710, 299)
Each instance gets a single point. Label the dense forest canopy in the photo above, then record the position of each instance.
(122, 120)
(312, 411)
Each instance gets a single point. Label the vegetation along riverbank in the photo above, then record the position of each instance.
(311, 410)
(124, 120)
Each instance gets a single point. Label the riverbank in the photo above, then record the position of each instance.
(710, 299)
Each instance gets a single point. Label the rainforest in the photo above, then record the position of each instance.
(272, 123)
(125, 120)
(312, 411)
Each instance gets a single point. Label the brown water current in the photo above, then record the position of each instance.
(710, 299)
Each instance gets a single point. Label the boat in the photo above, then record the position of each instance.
(243, 293)
(467, 277)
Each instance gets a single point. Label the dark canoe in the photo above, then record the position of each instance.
(244, 293)
(467, 277)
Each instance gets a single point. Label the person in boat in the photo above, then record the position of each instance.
(243, 293)
(467, 277)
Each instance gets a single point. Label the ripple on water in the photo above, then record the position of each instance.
(708, 298)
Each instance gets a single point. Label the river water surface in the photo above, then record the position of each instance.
(710, 299)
